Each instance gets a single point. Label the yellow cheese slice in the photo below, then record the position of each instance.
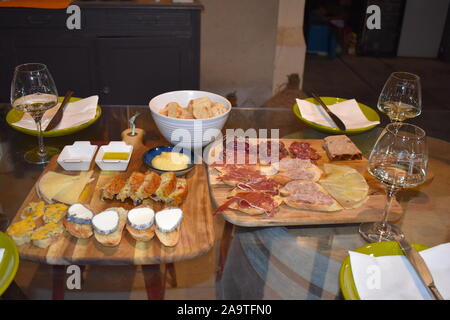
(71, 193)
(52, 183)
(346, 185)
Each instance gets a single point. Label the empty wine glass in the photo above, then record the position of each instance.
(401, 97)
(33, 90)
(399, 160)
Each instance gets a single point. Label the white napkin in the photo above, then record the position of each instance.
(2, 250)
(75, 114)
(394, 278)
(348, 111)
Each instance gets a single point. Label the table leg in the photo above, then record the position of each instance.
(224, 246)
(170, 268)
(154, 283)
(59, 283)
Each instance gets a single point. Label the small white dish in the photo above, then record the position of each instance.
(77, 157)
(114, 165)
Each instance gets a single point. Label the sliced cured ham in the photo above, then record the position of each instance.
(253, 203)
(232, 174)
(263, 185)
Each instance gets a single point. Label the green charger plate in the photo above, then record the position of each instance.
(370, 114)
(10, 262)
(15, 115)
(378, 249)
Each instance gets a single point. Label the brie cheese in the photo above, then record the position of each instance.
(169, 219)
(106, 222)
(141, 218)
(78, 213)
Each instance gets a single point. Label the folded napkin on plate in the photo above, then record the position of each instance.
(348, 111)
(1, 254)
(394, 278)
(75, 114)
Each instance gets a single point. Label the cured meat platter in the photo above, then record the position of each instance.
(196, 229)
(369, 211)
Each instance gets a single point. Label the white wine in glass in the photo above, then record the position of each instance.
(33, 90)
(399, 160)
(401, 97)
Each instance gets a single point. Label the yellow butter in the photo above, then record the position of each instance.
(171, 161)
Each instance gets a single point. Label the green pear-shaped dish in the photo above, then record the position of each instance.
(378, 249)
(9, 263)
(370, 114)
(15, 115)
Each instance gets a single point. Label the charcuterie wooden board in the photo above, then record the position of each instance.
(372, 210)
(197, 233)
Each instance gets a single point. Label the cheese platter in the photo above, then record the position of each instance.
(72, 217)
(306, 187)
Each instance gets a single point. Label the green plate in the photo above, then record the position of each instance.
(15, 115)
(378, 249)
(10, 262)
(370, 114)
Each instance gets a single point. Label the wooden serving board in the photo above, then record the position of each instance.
(371, 211)
(196, 238)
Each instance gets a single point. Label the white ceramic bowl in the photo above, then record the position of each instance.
(197, 131)
(114, 165)
(77, 157)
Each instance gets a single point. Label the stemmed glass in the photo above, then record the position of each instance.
(399, 160)
(401, 97)
(33, 90)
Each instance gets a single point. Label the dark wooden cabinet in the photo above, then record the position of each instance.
(125, 54)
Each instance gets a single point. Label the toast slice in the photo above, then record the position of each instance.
(47, 234)
(55, 212)
(168, 239)
(151, 183)
(131, 186)
(35, 210)
(111, 189)
(141, 223)
(21, 231)
(78, 230)
(308, 195)
(166, 187)
(114, 238)
(141, 235)
(179, 194)
(296, 169)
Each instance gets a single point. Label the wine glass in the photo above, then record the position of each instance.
(401, 97)
(399, 160)
(33, 90)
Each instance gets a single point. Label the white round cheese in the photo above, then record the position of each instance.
(77, 213)
(106, 222)
(169, 219)
(141, 218)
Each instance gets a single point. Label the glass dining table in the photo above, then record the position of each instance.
(297, 262)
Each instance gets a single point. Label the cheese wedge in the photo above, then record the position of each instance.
(52, 183)
(71, 193)
(345, 184)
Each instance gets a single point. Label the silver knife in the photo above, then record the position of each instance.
(419, 265)
(334, 117)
